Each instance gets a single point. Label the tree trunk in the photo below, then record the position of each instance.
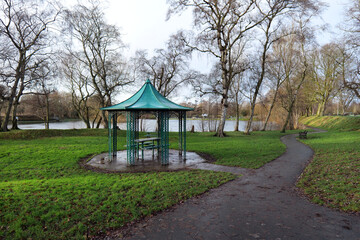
(47, 117)
(16, 104)
(288, 116)
(269, 113)
(20, 69)
(99, 122)
(237, 114)
(320, 110)
(14, 116)
(248, 126)
(224, 106)
(105, 119)
(5, 123)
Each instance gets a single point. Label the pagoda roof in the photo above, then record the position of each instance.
(147, 99)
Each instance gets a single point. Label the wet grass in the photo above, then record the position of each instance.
(237, 149)
(333, 177)
(44, 194)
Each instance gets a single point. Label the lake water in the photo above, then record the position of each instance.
(149, 125)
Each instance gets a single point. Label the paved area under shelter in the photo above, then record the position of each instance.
(119, 163)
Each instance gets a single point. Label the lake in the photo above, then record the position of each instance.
(149, 125)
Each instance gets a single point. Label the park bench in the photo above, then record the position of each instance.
(148, 143)
(303, 135)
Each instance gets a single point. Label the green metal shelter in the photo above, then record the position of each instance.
(147, 100)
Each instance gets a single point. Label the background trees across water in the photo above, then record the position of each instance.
(58, 62)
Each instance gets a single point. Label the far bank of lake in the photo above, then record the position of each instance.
(149, 125)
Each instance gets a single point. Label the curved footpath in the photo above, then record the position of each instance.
(262, 204)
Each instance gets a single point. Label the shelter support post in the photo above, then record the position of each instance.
(164, 137)
(114, 135)
(184, 134)
(112, 130)
(180, 133)
(110, 137)
(131, 134)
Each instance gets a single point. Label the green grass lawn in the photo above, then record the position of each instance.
(339, 123)
(333, 177)
(44, 193)
(247, 151)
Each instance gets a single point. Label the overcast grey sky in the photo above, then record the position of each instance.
(143, 24)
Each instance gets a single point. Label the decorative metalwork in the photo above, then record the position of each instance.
(180, 115)
(164, 137)
(131, 134)
(184, 134)
(114, 134)
(112, 131)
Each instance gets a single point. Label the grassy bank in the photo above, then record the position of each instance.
(339, 123)
(45, 194)
(333, 176)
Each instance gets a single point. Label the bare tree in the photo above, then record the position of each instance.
(325, 74)
(276, 76)
(99, 51)
(44, 84)
(222, 25)
(295, 65)
(167, 68)
(269, 27)
(77, 81)
(237, 96)
(352, 29)
(23, 30)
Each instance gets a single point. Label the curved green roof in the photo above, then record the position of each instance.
(147, 98)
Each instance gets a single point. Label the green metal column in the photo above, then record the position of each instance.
(130, 137)
(110, 137)
(180, 134)
(164, 137)
(184, 146)
(114, 135)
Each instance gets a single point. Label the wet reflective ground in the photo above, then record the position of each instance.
(119, 164)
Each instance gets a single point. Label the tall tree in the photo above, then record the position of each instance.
(24, 27)
(296, 66)
(222, 25)
(167, 68)
(81, 91)
(325, 74)
(276, 77)
(269, 28)
(44, 85)
(99, 50)
(352, 29)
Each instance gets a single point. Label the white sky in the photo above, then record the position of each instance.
(143, 26)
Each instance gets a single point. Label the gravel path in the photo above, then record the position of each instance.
(262, 204)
